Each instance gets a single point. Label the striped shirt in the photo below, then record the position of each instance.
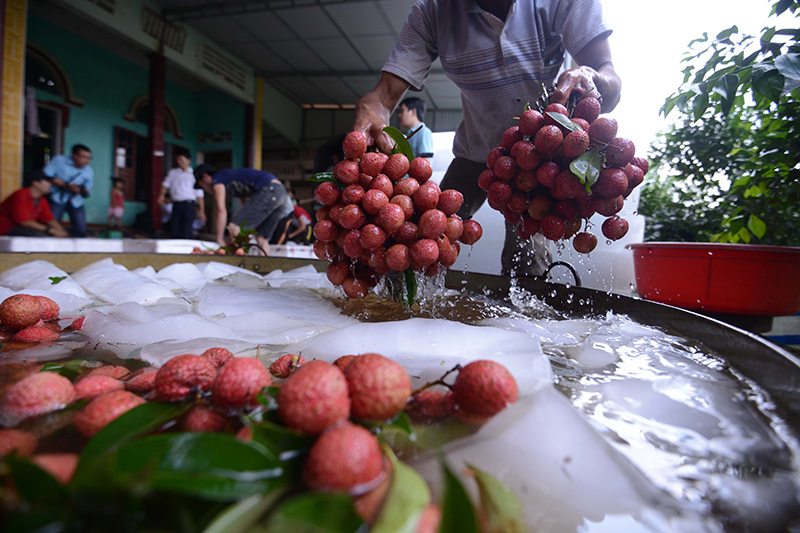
(499, 66)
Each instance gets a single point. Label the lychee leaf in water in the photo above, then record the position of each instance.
(322, 176)
(587, 167)
(401, 144)
(458, 513)
(314, 512)
(408, 495)
(242, 516)
(284, 442)
(55, 280)
(564, 121)
(69, 369)
(501, 506)
(126, 428)
(34, 484)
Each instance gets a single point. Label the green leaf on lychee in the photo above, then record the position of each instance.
(323, 176)
(215, 466)
(408, 495)
(69, 369)
(128, 427)
(314, 512)
(458, 513)
(564, 121)
(587, 167)
(34, 484)
(242, 516)
(501, 506)
(284, 442)
(268, 397)
(401, 144)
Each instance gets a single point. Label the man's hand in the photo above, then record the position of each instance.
(74, 188)
(595, 77)
(375, 108)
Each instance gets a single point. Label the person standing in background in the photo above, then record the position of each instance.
(410, 115)
(116, 206)
(187, 201)
(73, 179)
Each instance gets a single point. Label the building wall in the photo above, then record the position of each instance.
(108, 84)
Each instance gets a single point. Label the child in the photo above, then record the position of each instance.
(117, 206)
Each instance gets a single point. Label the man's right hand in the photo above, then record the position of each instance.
(375, 108)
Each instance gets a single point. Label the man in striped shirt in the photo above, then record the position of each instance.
(498, 53)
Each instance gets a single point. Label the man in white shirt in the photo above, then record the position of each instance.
(187, 202)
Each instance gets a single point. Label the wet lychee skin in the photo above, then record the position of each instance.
(142, 381)
(346, 457)
(182, 375)
(50, 308)
(59, 465)
(93, 386)
(35, 334)
(285, 365)
(203, 419)
(34, 395)
(103, 409)
(23, 442)
(113, 371)
(20, 311)
(343, 361)
(379, 387)
(239, 382)
(484, 388)
(431, 404)
(218, 356)
(77, 324)
(314, 398)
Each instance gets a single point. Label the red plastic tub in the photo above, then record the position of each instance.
(740, 279)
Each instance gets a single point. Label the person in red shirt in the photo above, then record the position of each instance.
(27, 213)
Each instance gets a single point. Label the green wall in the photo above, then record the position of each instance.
(108, 84)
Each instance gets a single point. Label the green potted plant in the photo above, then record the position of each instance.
(721, 201)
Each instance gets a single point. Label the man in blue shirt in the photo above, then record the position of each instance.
(72, 183)
(264, 195)
(410, 115)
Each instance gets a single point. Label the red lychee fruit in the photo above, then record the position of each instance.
(59, 465)
(454, 228)
(35, 334)
(182, 376)
(432, 223)
(584, 242)
(382, 183)
(352, 217)
(218, 355)
(568, 184)
(353, 194)
(525, 155)
(547, 173)
(588, 109)
(93, 386)
(396, 167)
(554, 108)
(239, 382)
(201, 418)
(326, 230)
(102, 410)
(420, 169)
(612, 183)
(540, 206)
(142, 381)
(525, 180)
(285, 365)
(34, 395)
(510, 137)
(607, 206)
(619, 152)
(391, 217)
(379, 387)
(603, 129)
(424, 252)
(429, 519)
(427, 196)
(405, 203)
(354, 145)
(77, 324)
(642, 163)
(398, 257)
(472, 232)
(326, 193)
(314, 398)
(575, 144)
(553, 227)
(22, 442)
(50, 309)
(372, 237)
(634, 174)
(347, 172)
(406, 186)
(450, 201)
(372, 163)
(431, 404)
(484, 388)
(343, 361)
(530, 121)
(374, 200)
(346, 457)
(486, 179)
(615, 228)
(20, 311)
(337, 272)
(245, 434)
(494, 155)
(548, 140)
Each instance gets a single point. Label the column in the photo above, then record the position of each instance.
(158, 69)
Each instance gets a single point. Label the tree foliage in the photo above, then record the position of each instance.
(727, 168)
